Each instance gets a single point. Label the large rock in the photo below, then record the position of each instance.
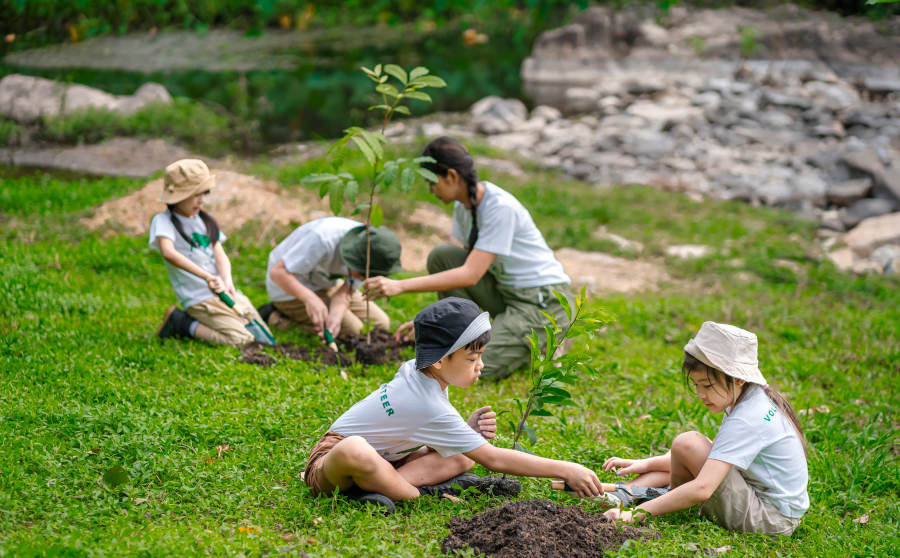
(493, 115)
(849, 191)
(28, 98)
(868, 162)
(873, 233)
(865, 209)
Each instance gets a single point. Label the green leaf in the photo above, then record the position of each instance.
(323, 189)
(376, 141)
(114, 476)
(359, 208)
(367, 71)
(336, 196)
(541, 413)
(529, 431)
(521, 448)
(402, 110)
(426, 174)
(318, 177)
(564, 302)
(351, 189)
(512, 427)
(397, 72)
(390, 173)
(418, 71)
(430, 81)
(418, 95)
(557, 391)
(387, 89)
(406, 179)
(377, 70)
(423, 159)
(550, 318)
(380, 107)
(377, 216)
(365, 148)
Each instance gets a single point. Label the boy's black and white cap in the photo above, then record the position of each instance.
(447, 326)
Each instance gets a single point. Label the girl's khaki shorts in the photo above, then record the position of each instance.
(737, 507)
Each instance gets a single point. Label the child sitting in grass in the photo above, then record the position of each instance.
(406, 439)
(190, 242)
(753, 476)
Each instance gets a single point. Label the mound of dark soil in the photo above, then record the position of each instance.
(383, 349)
(539, 528)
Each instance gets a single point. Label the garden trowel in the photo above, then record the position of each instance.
(259, 332)
(629, 495)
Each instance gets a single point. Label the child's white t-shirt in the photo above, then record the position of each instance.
(762, 443)
(189, 288)
(505, 228)
(311, 254)
(407, 413)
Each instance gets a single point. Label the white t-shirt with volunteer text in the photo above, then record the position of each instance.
(505, 228)
(189, 288)
(311, 254)
(763, 444)
(407, 413)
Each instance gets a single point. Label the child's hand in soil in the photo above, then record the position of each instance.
(333, 324)
(484, 421)
(622, 466)
(318, 313)
(625, 516)
(582, 480)
(405, 332)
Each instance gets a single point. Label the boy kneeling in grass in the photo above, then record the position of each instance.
(406, 439)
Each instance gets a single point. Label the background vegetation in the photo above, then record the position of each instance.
(212, 447)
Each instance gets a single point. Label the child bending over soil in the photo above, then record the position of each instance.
(190, 242)
(753, 476)
(314, 274)
(406, 439)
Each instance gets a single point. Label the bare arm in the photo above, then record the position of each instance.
(315, 308)
(223, 265)
(477, 264)
(622, 466)
(171, 255)
(502, 460)
(340, 301)
(686, 495)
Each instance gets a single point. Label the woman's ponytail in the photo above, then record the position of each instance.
(450, 154)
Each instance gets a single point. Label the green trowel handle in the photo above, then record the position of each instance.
(227, 300)
(329, 338)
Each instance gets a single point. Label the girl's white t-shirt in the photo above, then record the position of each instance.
(311, 254)
(505, 228)
(189, 288)
(763, 444)
(407, 413)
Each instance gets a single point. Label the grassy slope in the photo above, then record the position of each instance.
(85, 386)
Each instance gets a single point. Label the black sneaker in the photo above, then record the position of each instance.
(385, 504)
(265, 310)
(175, 324)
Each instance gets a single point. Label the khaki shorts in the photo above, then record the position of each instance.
(314, 476)
(737, 507)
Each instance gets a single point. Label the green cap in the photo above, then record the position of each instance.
(385, 250)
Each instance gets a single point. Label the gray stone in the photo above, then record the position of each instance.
(493, 115)
(887, 257)
(687, 251)
(872, 233)
(28, 98)
(548, 113)
(775, 119)
(865, 209)
(433, 129)
(581, 99)
(645, 85)
(707, 99)
(882, 84)
(773, 97)
(868, 162)
(847, 192)
(647, 143)
(831, 219)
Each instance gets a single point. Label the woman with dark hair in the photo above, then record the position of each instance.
(506, 266)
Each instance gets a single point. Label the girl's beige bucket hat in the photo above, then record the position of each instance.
(185, 178)
(727, 348)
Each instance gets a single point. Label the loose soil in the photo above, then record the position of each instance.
(353, 348)
(539, 528)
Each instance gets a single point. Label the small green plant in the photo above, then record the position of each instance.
(750, 44)
(698, 44)
(382, 174)
(550, 372)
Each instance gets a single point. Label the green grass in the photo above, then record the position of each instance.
(84, 385)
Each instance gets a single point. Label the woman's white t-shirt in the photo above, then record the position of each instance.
(189, 288)
(763, 444)
(311, 254)
(407, 413)
(506, 229)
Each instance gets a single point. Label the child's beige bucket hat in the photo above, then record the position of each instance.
(727, 348)
(185, 178)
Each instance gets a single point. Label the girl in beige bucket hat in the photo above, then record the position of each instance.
(753, 475)
(190, 242)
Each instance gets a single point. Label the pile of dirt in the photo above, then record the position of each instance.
(539, 528)
(353, 348)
